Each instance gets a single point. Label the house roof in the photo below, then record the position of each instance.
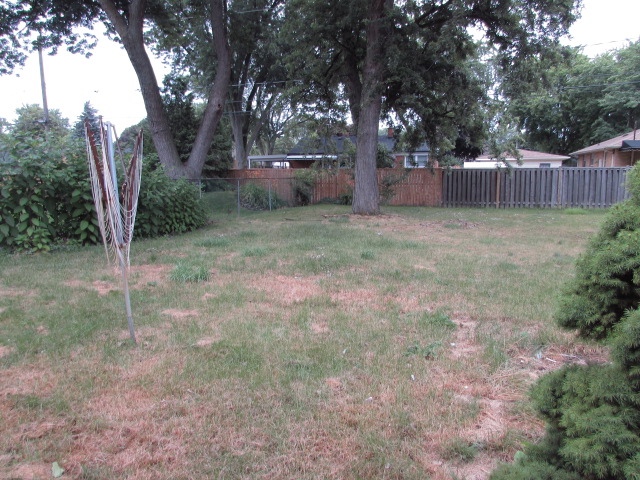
(529, 155)
(612, 143)
(335, 145)
(629, 145)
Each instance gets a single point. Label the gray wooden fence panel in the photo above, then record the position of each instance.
(535, 187)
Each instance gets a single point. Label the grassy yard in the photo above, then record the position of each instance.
(302, 343)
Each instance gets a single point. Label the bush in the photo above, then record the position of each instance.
(304, 182)
(256, 197)
(593, 412)
(167, 206)
(46, 199)
(607, 281)
(46, 196)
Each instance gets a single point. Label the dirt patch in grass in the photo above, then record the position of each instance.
(207, 341)
(285, 289)
(6, 351)
(142, 275)
(28, 471)
(35, 378)
(356, 298)
(102, 287)
(320, 327)
(15, 292)
(180, 314)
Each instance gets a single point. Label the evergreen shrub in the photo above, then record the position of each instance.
(593, 412)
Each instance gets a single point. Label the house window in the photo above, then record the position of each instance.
(545, 165)
(416, 161)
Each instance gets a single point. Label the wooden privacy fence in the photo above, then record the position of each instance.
(518, 188)
(415, 187)
(535, 187)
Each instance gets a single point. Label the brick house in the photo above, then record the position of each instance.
(621, 151)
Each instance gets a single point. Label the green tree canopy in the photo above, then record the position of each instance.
(414, 60)
(581, 101)
(30, 122)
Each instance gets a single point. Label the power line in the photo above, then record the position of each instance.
(599, 85)
(264, 83)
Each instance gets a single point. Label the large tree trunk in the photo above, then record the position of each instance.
(130, 31)
(239, 133)
(365, 196)
(217, 95)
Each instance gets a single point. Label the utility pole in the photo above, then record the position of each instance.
(44, 87)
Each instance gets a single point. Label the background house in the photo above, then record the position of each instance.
(336, 150)
(621, 151)
(529, 159)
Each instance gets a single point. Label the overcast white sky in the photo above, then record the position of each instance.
(108, 81)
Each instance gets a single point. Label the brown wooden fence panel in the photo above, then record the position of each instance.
(535, 187)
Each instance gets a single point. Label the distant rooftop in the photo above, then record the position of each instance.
(610, 144)
(335, 145)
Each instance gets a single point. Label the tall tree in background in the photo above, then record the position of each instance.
(53, 22)
(580, 101)
(379, 56)
(88, 113)
(30, 123)
(129, 24)
(257, 77)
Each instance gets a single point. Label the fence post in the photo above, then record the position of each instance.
(269, 195)
(238, 202)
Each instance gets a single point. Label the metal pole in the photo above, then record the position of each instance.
(127, 300)
(269, 195)
(45, 106)
(238, 198)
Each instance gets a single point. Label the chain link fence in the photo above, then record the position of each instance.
(238, 196)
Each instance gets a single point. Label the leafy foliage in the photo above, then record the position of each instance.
(593, 412)
(46, 199)
(257, 197)
(88, 113)
(185, 117)
(167, 206)
(31, 122)
(581, 102)
(610, 272)
(304, 181)
(46, 196)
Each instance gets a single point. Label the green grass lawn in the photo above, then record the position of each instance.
(301, 343)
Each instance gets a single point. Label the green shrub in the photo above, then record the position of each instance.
(633, 184)
(46, 199)
(257, 197)
(593, 412)
(45, 196)
(388, 185)
(607, 281)
(167, 206)
(304, 182)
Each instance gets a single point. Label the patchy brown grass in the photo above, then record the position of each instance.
(264, 373)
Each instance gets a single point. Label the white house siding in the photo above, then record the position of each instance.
(514, 164)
